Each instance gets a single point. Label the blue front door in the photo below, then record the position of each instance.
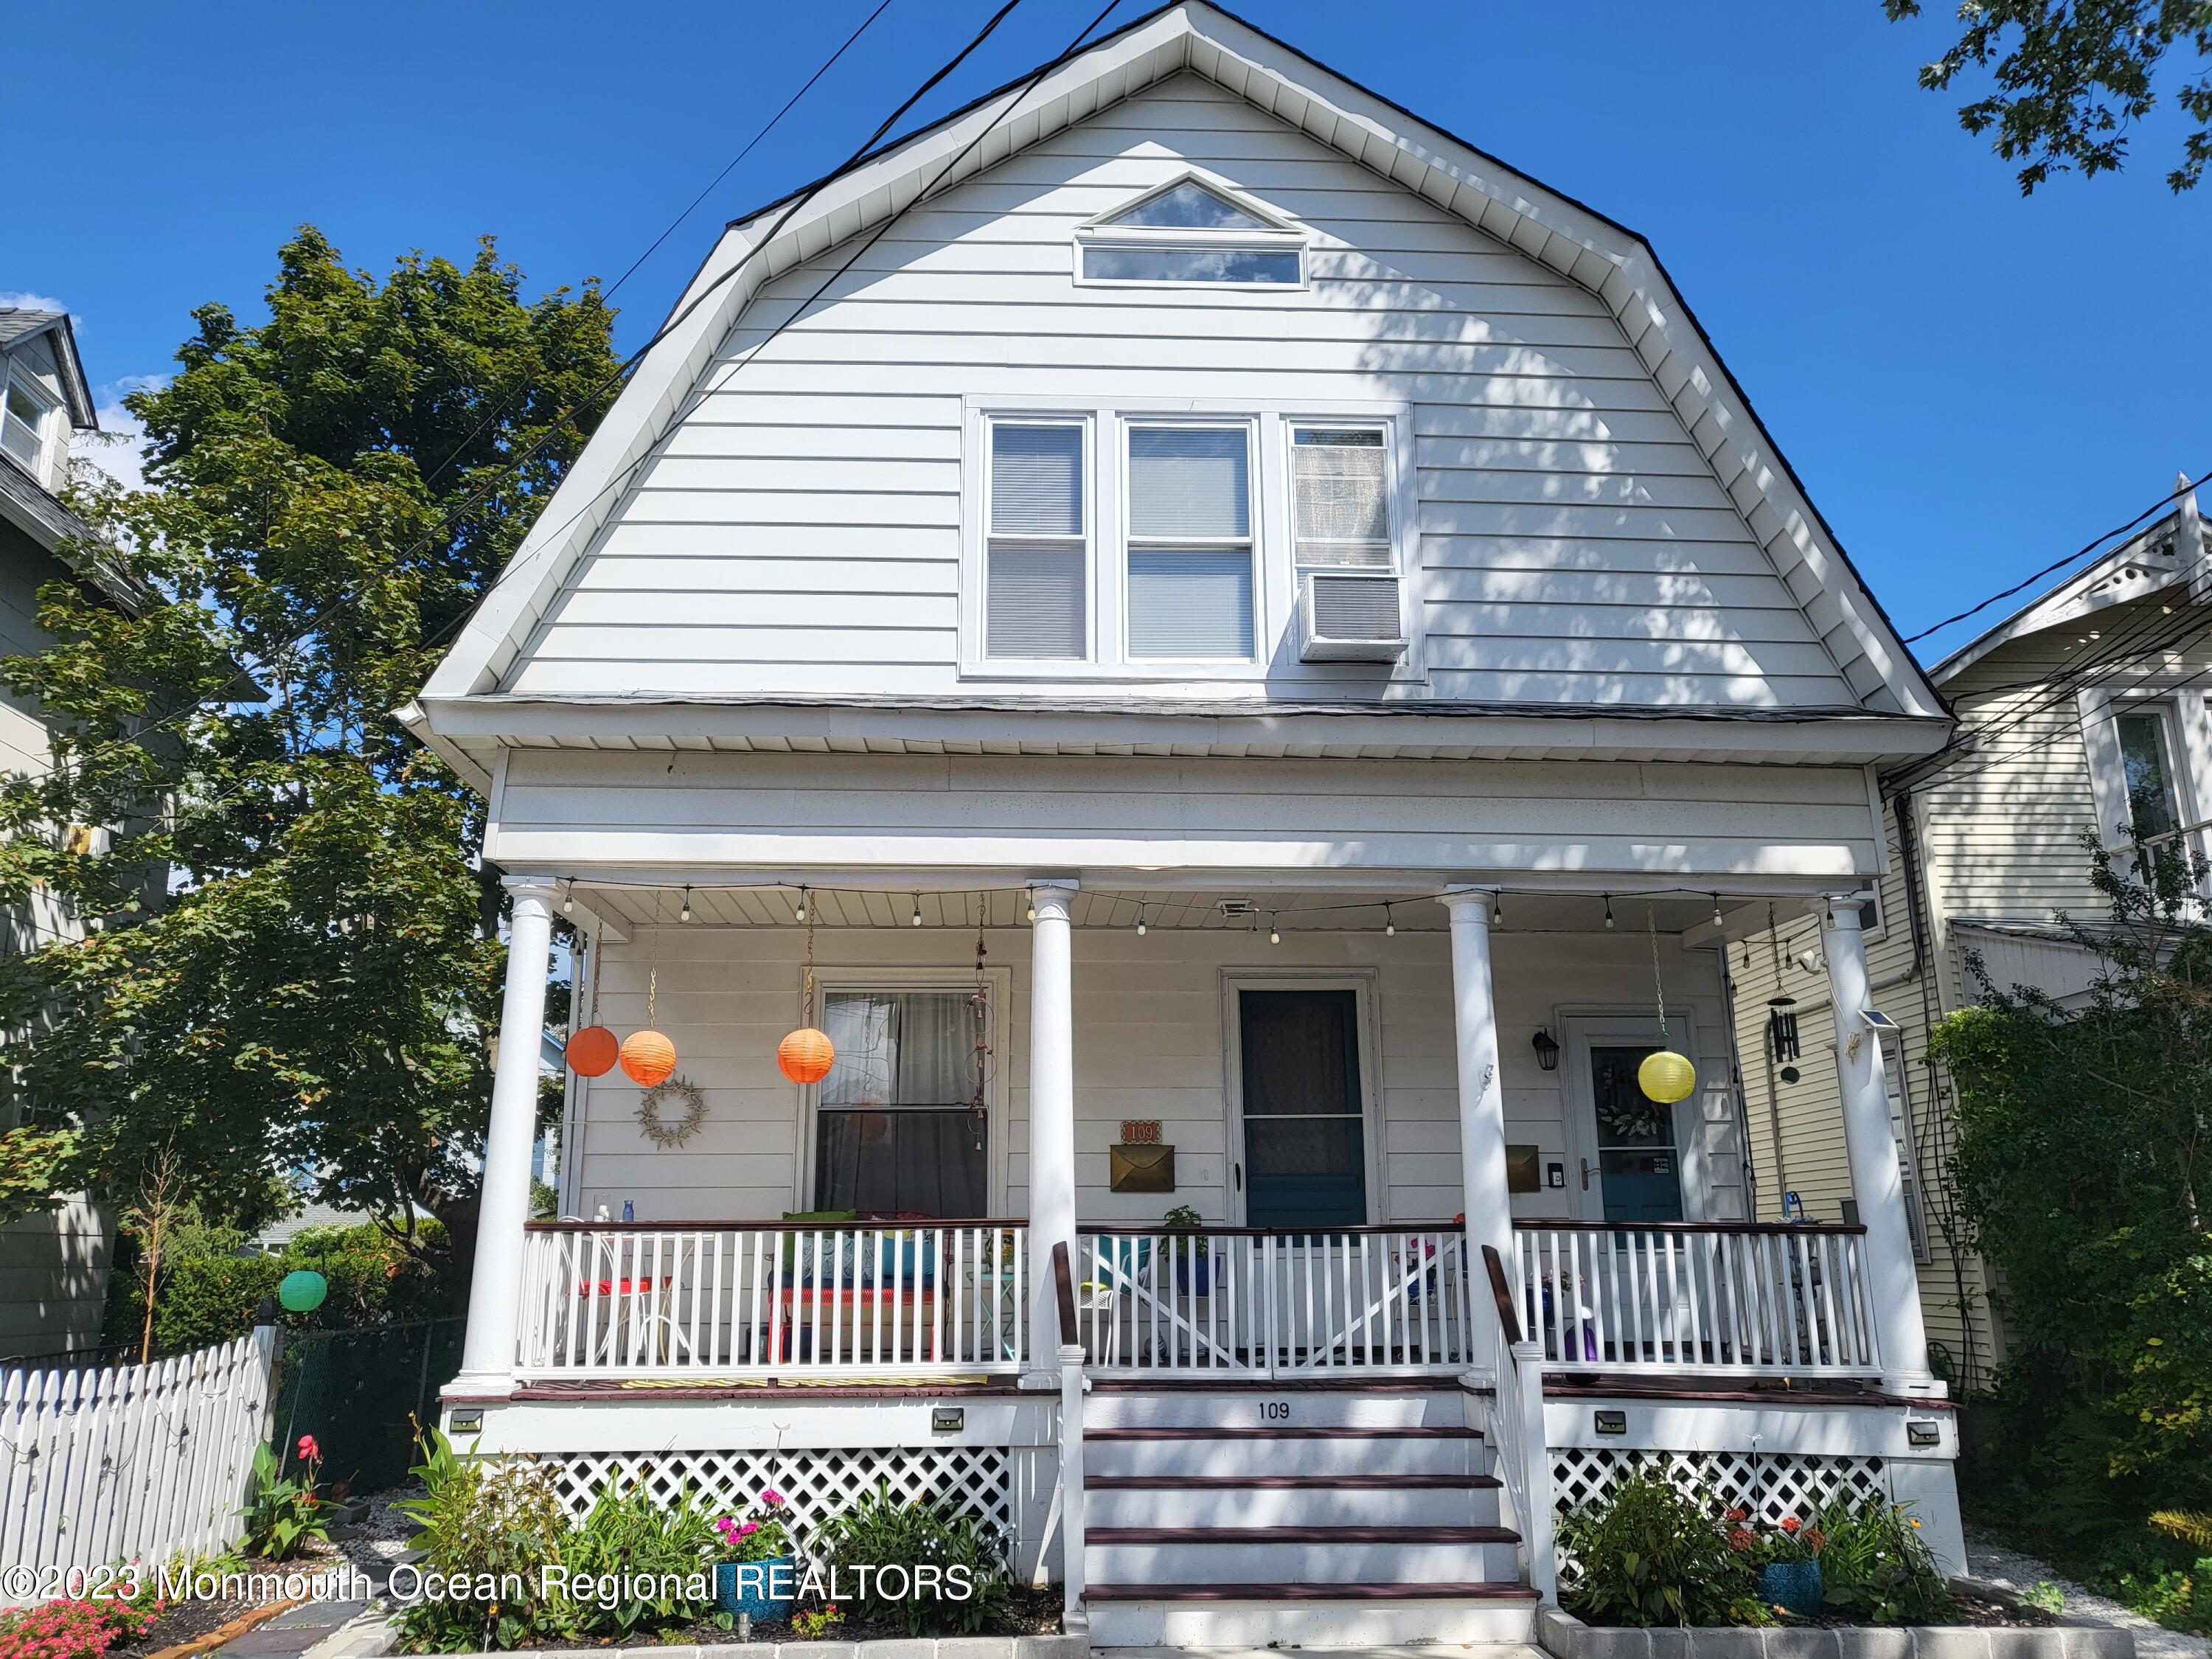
(1305, 1149)
(1639, 1168)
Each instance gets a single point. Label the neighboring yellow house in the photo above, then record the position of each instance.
(2084, 711)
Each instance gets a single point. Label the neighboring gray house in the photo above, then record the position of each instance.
(53, 1268)
(2085, 710)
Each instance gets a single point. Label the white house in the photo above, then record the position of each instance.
(1184, 605)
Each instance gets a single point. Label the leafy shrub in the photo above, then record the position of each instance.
(208, 1291)
(627, 1533)
(73, 1630)
(1875, 1564)
(284, 1516)
(478, 1516)
(1650, 1554)
(881, 1531)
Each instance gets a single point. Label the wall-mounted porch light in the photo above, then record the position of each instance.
(1547, 1050)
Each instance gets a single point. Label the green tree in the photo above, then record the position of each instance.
(333, 487)
(2070, 78)
(2085, 1140)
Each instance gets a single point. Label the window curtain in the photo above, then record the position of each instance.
(895, 1135)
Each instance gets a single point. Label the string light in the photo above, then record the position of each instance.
(1718, 922)
(685, 915)
(1140, 921)
(1274, 933)
(568, 900)
(1389, 923)
(802, 904)
(1498, 911)
(917, 911)
(1032, 915)
(1608, 913)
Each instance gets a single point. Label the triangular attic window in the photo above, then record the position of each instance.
(1187, 206)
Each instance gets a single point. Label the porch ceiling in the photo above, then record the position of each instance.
(1097, 906)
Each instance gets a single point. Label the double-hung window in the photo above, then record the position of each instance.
(1039, 542)
(2147, 763)
(26, 416)
(1189, 541)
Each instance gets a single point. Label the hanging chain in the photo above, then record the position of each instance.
(806, 1012)
(1658, 985)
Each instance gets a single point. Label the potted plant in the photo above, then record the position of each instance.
(1788, 1560)
(1189, 1255)
(757, 1574)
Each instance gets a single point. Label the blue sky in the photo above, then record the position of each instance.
(1971, 384)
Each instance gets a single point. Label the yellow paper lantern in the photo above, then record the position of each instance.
(1666, 1077)
(804, 1055)
(648, 1058)
(592, 1051)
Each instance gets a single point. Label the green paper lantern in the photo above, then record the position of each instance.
(302, 1291)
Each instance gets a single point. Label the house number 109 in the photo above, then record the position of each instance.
(1274, 1410)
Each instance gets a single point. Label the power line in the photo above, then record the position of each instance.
(624, 369)
(2053, 568)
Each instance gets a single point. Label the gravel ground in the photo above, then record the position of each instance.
(375, 1545)
(1986, 1558)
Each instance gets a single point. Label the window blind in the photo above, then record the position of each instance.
(1340, 499)
(1190, 482)
(1034, 582)
(1190, 603)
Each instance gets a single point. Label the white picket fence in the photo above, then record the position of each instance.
(136, 1462)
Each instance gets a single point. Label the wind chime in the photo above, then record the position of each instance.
(979, 1009)
(805, 1056)
(1665, 1076)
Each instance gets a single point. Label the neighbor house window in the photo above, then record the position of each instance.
(1190, 233)
(896, 1127)
(1038, 555)
(1189, 541)
(26, 421)
(2147, 765)
(1341, 498)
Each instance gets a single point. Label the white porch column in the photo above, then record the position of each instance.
(1481, 1105)
(1892, 1279)
(496, 1289)
(1051, 1118)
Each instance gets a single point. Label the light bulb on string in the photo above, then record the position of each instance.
(1389, 923)
(1608, 913)
(1498, 911)
(916, 923)
(1140, 921)
(685, 915)
(568, 900)
(802, 905)
(1716, 911)
(1274, 933)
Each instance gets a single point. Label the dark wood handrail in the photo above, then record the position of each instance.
(1784, 1229)
(1063, 1283)
(1508, 1315)
(1001, 1222)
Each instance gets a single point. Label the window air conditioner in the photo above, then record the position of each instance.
(1351, 617)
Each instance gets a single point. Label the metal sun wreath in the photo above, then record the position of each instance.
(672, 1112)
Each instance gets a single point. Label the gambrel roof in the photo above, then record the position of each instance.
(1895, 701)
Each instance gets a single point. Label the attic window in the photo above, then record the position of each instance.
(1190, 232)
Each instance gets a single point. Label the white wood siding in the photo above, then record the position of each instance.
(799, 530)
(565, 810)
(1149, 1043)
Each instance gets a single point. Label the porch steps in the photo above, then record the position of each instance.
(1365, 1520)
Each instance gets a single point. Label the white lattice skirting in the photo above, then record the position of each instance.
(817, 1484)
(1772, 1485)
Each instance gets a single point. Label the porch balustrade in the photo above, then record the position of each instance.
(1253, 1302)
(741, 1299)
(1758, 1299)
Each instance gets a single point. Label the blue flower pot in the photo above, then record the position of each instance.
(763, 1589)
(1793, 1584)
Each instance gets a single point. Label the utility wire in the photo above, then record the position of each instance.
(2053, 568)
(625, 368)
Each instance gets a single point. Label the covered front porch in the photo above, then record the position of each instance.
(1249, 1147)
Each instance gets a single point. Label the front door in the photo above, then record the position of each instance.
(1638, 1167)
(1305, 1149)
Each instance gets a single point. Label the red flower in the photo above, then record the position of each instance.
(1791, 1524)
(1739, 1513)
(308, 1449)
(1816, 1540)
(1741, 1539)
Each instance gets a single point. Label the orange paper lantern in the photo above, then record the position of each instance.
(592, 1051)
(648, 1057)
(804, 1055)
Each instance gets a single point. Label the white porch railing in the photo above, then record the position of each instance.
(1750, 1297)
(1227, 1301)
(743, 1299)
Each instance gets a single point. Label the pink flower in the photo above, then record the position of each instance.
(772, 1496)
(308, 1449)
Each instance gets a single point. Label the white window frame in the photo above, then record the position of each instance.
(42, 467)
(2187, 724)
(1085, 421)
(1281, 235)
(1126, 545)
(997, 1089)
(1275, 587)
(1291, 426)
